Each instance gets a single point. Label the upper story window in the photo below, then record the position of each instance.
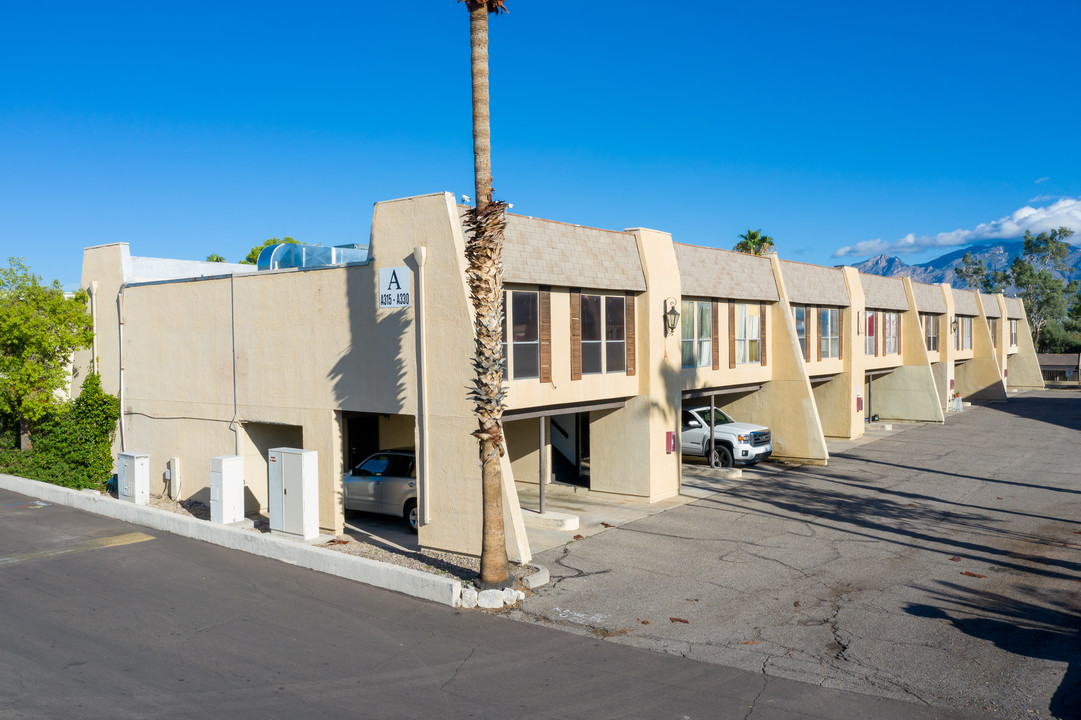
(891, 333)
(1013, 333)
(829, 324)
(748, 333)
(870, 338)
(604, 334)
(696, 320)
(992, 325)
(963, 339)
(521, 312)
(800, 315)
(930, 332)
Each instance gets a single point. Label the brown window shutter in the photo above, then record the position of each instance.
(818, 323)
(840, 333)
(900, 318)
(545, 334)
(576, 334)
(763, 310)
(716, 344)
(630, 336)
(731, 334)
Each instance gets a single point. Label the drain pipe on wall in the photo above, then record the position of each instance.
(94, 326)
(120, 335)
(232, 318)
(420, 254)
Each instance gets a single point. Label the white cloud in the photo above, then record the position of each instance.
(1064, 212)
(1042, 180)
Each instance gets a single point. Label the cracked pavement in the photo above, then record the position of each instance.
(939, 565)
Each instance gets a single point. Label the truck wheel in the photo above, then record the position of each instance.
(719, 457)
(410, 514)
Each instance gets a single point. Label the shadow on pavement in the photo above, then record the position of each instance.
(1048, 628)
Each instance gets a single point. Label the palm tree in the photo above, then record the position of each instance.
(484, 251)
(753, 242)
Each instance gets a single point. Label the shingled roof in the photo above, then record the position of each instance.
(709, 272)
(545, 252)
(814, 284)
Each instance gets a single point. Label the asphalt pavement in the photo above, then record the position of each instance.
(938, 566)
(105, 619)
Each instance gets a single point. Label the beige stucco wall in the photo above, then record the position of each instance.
(1023, 367)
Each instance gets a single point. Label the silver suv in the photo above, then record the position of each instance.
(734, 443)
(385, 482)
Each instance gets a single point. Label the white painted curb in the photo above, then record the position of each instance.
(418, 584)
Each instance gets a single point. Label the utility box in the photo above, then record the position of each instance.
(226, 489)
(293, 476)
(133, 477)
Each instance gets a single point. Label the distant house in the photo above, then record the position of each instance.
(1060, 367)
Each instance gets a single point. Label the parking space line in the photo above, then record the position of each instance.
(114, 541)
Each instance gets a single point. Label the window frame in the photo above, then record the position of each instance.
(870, 330)
(701, 348)
(1013, 333)
(830, 332)
(891, 333)
(510, 345)
(745, 340)
(930, 331)
(802, 336)
(992, 325)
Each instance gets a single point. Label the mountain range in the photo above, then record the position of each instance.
(997, 256)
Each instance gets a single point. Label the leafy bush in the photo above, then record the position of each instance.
(72, 446)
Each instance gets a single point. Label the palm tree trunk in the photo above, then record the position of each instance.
(482, 131)
(485, 276)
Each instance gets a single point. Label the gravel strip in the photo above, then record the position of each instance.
(463, 567)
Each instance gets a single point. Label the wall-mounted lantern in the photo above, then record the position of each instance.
(671, 316)
(953, 325)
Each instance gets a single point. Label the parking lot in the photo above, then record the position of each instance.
(938, 565)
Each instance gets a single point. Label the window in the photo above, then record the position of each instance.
(615, 334)
(523, 315)
(1013, 333)
(829, 320)
(800, 314)
(748, 334)
(891, 329)
(992, 325)
(591, 334)
(963, 339)
(930, 332)
(697, 327)
(870, 339)
(604, 339)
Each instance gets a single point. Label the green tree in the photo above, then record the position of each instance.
(40, 329)
(973, 273)
(214, 257)
(484, 250)
(252, 257)
(753, 242)
(1040, 278)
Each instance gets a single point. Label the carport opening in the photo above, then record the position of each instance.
(701, 400)
(379, 476)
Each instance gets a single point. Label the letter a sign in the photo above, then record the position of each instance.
(394, 287)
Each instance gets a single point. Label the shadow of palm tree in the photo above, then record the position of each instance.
(1046, 625)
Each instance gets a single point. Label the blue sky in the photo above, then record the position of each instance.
(841, 129)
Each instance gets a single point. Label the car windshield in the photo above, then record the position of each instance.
(719, 417)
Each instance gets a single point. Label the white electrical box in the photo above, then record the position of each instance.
(133, 477)
(226, 489)
(293, 476)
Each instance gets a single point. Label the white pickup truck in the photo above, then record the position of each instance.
(735, 443)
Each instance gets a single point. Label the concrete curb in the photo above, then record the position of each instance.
(418, 584)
